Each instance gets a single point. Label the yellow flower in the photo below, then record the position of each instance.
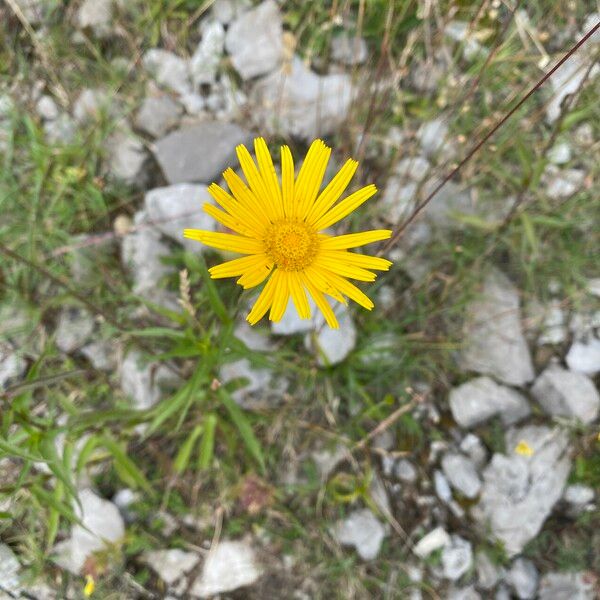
(279, 229)
(524, 449)
(90, 586)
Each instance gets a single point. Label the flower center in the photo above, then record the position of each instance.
(291, 245)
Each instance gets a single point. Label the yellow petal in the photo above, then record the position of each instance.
(255, 181)
(352, 240)
(344, 269)
(225, 241)
(299, 295)
(334, 189)
(359, 260)
(256, 275)
(345, 207)
(264, 300)
(310, 177)
(238, 208)
(321, 302)
(317, 276)
(287, 181)
(281, 297)
(231, 222)
(350, 290)
(269, 176)
(238, 266)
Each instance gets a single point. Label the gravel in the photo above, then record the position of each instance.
(523, 578)
(171, 565)
(457, 558)
(158, 115)
(74, 328)
(462, 474)
(584, 356)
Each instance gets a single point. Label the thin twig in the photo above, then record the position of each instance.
(419, 208)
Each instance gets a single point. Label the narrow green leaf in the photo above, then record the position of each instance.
(47, 499)
(49, 453)
(12, 450)
(131, 474)
(158, 332)
(196, 262)
(207, 445)
(183, 456)
(54, 516)
(85, 452)
(243, 426)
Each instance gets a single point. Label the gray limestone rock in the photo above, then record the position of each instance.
(47, 108)
(158, 115)
(566, 586)
(96, 15)
(348, 49)
(207, 56)
(174, 208)
(584, 356)
(126, 158)
(520, 489)
(199, 153)
(362, 530)
(493, 338)
(462, 474)
(332, 346)
(457, 558)
(171, 565)
(480, 399)
(10, 580)
(12, 365)
(563, 393)
(295, 101)
(74, 328)
(255, 40)
(523, 577)
(168, 70)
(228, 566)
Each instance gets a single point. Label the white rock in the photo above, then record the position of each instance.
(362, 530)
(35, 11)
(462, 474)
(142, 381)
(255, 40)
(554, 330)
(442, 487)
(199, 152)
(348, 49)
(468, 593)
(141, 253)
(480, 399)
(562, 183)
(566, 81)
(173, 208)
(97, 15)
(434, 540)
(332, 346)
(126, 157)
(326, 460)
(415, 168)
(256, 380)
(593, 286)
(566, 586)
(61, 130)
(488, 574)
(296, 102)
(10, 580)
(229, 566)
(90, 104)
(171, 565)
(566, 394)
(433, 136)
(254, 338)
(226, 11)
(74, 328)
(519, 491)
(473, 447)
(578, 494)
(398, 200)
(207, 56)
(158, 115)
(523, 578)
(584, 356)
(291, 323)
(12, 365)
(494, 343)
(102, 354)
(457, 558)
(47, 108)
(405, 471)
(560, 153)
(102, 525)
(168, 70)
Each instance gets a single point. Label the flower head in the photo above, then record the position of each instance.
(278, 227)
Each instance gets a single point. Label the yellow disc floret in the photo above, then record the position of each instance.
(291, 244)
